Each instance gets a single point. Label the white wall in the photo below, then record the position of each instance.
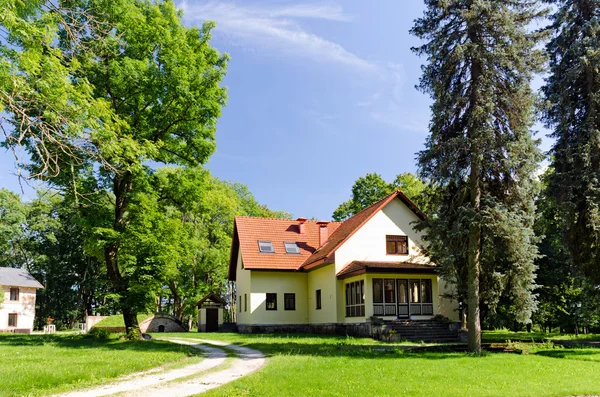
(24, 307)
(368, 243)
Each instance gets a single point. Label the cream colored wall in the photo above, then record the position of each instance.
(264, 282)
(325, 280)
(368, 243)
(25, 308)
(242, 285)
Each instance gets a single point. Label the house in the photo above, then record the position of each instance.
(306, 276)
(17, 311)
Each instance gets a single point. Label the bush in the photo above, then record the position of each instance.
(99, 333)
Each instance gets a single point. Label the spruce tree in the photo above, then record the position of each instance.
(572, 93)
(480, 156)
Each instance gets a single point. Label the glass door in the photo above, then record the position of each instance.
(402, 297)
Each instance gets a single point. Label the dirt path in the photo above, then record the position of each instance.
(148, 383)
(247, 361)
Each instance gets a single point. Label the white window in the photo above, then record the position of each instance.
(291, 248)
(266, 247)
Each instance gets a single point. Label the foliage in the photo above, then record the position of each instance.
(572, 111)
(372, 188)
(480, 154)
(35, 365)
(98, 333)
(159, 84)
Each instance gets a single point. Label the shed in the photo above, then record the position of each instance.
(210, 313)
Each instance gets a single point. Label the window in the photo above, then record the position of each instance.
(271, 301)
(12, 319)
(265, 247)
(245, 302)
(240, 304)
(355, 299)
(318, 299)
(403, 297)
(396, 245)
(291, 248)
(384, 297)
(14, 294)
(289, 301)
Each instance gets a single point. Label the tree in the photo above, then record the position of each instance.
(161, 84)
(371, 188)
(573, 112)
(480, 154)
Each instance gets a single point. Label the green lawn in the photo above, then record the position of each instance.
(35, 365)
(305, 365)
(504, 335)
(116, 321)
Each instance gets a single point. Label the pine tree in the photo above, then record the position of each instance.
(480, 156)
(573, 95)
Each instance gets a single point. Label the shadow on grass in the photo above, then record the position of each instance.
(85, 342)
(588, 354)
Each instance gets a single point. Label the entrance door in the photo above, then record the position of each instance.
(402, 289)
(212, 320)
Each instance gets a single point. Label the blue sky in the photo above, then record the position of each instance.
(320, 93)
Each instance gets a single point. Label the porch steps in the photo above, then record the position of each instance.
(431, 331)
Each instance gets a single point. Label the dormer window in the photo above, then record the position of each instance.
(396, 245)
(265, 247)
(291, 248)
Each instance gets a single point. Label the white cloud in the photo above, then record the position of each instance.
(277, 29)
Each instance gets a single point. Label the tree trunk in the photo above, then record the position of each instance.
(121, 187)
(474, 250)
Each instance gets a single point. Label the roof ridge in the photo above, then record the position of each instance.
(282, 219)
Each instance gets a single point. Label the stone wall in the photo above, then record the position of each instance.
(162, 323)
(356, 329)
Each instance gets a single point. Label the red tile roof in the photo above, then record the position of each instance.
(351, 225)
(359, 267)
(248, 230)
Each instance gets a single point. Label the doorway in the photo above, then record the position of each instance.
(212, 320)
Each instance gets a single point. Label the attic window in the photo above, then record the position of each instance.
(266, 247)
(291, 248)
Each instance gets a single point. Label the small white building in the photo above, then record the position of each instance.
(17, 311)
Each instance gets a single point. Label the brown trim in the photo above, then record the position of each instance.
(394, 270)
(16, 319)
(17, 294)
(317, 265)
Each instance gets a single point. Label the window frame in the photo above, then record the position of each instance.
(245, 302)
(271, 300)
(295, 244)
(289, 297)
(396, 240)
(260, 250)
(318, 298)
(355, 298)
(15, 316)
(16, 292)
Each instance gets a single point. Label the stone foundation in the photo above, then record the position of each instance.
(162, 323)
(352, 329)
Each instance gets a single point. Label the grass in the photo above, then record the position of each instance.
(35, 365)
(116, 321)
(505, 335)
(304, 365)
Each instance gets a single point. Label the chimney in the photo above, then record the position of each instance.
(323, 232)
(301, 225)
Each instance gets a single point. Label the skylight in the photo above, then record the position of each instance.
(291, 248)
(266, 247)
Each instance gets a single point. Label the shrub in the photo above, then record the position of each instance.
(99, 333)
